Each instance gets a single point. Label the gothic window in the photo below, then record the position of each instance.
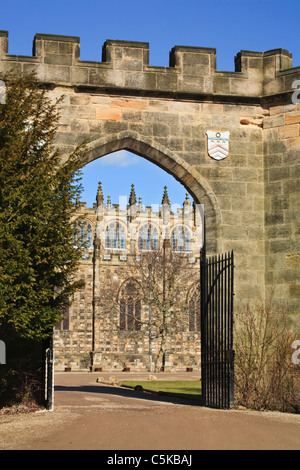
(180, 239)
(65, 323)
(115, 236)
(130, 306)
(148, 238)
(194, 308)
(83, 234)
(89, 236)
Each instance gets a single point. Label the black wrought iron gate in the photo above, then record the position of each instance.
(217, 355)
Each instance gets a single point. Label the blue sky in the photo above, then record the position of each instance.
(229, 26)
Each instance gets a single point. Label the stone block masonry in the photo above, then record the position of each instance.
(125, 65)
(94, 321)
(163, 113)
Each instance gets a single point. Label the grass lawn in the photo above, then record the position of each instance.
(184, 389)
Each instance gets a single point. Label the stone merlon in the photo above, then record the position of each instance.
(125, 65)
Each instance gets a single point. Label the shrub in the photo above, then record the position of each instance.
(265, 376)
(21, 387)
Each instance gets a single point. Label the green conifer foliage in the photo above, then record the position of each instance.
(38, 258)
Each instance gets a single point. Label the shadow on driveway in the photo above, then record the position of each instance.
(129, 393)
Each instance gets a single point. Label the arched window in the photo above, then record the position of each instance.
(180, 239)
(83, 234)
(130, 306)
(65, 323)
(148, 237)
(89, 236)
(194, 308)
(115, 236)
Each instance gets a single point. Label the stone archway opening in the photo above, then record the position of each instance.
(118, 171)
(96, 262)
(188, 176)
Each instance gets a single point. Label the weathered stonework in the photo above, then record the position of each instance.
(163, 113)
(93, 322)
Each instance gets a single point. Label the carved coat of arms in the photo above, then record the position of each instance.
(218, 144)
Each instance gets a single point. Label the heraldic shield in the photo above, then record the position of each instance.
(218, 144)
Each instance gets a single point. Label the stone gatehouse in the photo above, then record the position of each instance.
(164, 114)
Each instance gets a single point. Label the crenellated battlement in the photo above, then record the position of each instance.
(125, 65)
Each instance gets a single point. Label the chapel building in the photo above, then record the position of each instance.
(131, 254)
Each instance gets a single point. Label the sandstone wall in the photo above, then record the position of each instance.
(163, 113)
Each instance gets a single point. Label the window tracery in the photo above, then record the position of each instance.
(148, 238)
(130, 306)
(181, 239)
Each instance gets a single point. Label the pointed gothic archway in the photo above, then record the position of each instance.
(188, 176)
(173, 164)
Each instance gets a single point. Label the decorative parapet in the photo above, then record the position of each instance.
(125, 65)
